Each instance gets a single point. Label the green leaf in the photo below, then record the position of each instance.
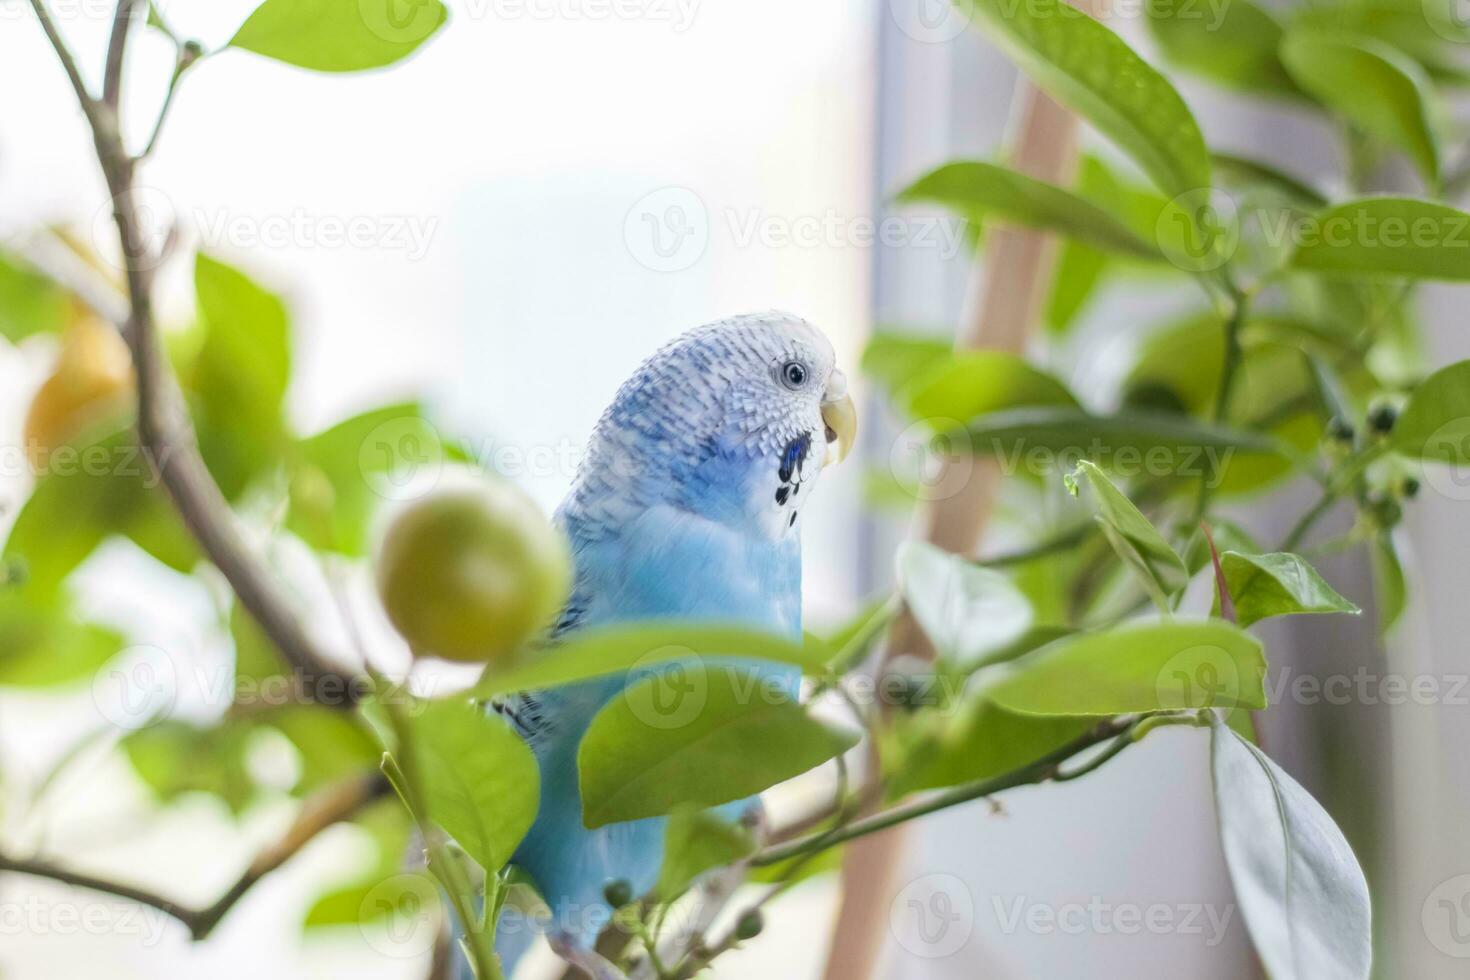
(703, 736)
(88, 494)
(973, 383)
(982, 741)
(615, 649)
(1243, 172)
(1388, 581)
(1373, 85)
(1075, 280)
(1234, 44)
(1139, 667)
(238, 381)
(1387, 236)
(332, 744)
(175, 758)
(339, 35)
(480, 782)
(1435, 424)
(1300, 888)
(384, 888)
(45, 646)
(30, 303)
(695, 842)
(975, 188)
(332, 480)
(1089, 69)
(968, 612)
(1123, 436)
(1157, 558)
(1276, 584)
(894, 359)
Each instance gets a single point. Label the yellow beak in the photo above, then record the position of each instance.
(840, 416)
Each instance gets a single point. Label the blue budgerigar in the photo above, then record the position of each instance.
(687, 506)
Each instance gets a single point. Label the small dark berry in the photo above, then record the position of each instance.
(750, 924)
(1340, 429)
(1382, 417)
(1410, 489)
(618, 893)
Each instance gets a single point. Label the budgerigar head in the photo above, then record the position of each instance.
(732, 421)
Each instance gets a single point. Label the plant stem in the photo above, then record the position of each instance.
(1041, 770)
(1230, 366)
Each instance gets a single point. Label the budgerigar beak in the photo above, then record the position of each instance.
(840, 416)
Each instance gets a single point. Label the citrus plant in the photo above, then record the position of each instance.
(1127, 610)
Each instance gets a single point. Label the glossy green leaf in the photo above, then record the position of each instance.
(1435, 424)
(702, 736)
(894, 359)
(174, 758)
(1371, 84)
(1138, 667)
(1277, 584)
(616, 649)
(1178, 444)
(968, 612)
(974, 383)
(1301, 891)
(1155, 555)
(981, 741)
(976, 188)
(238, 380)
(1234, 44)
(339, 35)
(30, 303)
(1089, 69)
(696, 841)
(1387, 236)
(479, 780)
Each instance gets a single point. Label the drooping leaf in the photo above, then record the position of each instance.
(1300, 888)
(1388, 581)
(1234, 44)
(30, 303)
(1157, 558)
(238, 380)
(695, 842)
(1138, 667)
(480, 782)
(977, 188)
(1240, 171)
(1277, 584)
(1372, 84)
(1089, 69)
(1435, 424)
(1387, 236)
(702, 736)
(968, 612)
(339, 35)
(594, 653)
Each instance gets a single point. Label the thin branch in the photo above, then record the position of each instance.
(187, 57)
(332, 806)
(164, 428)
(122, 21)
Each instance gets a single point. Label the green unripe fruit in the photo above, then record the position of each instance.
(471, 573)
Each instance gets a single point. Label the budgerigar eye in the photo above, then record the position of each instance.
(794, 374)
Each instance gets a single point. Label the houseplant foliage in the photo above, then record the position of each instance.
(1298, 361)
